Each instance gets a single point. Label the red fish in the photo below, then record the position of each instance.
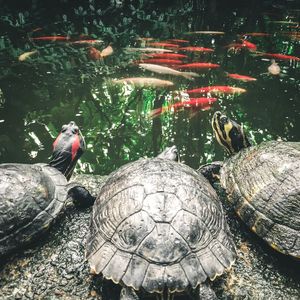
(179, 41)
(51, 38)
(160, 61)
(281, 56)
(200, 103)
(166, 55)
(249, 45)
(222, 89)
(94, 53)
(199, 65)
(241, 77)
(196, 49)
(258, 34)
(244, 44)
(161, 44)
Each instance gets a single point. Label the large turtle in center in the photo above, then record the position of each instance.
(262, 183)
(158, 227)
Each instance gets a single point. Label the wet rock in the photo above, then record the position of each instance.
(55, 268)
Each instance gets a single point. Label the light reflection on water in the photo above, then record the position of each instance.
(61, 83)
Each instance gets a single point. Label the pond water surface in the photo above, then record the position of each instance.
(62, 81)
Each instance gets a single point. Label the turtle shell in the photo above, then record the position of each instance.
(157, 224)
(31, 197)
(263, 184)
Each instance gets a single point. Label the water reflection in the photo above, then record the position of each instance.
(61, 82)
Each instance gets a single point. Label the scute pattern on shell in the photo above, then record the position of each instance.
(157, 223)
(263, 183)
(31, 197)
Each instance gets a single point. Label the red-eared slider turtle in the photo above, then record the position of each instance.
(158, 227)
(263, 184)
(32, 196)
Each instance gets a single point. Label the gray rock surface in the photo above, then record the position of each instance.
(55, 268)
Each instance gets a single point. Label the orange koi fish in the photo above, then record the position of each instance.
(241, 77)
(200, 103)
(198, 65)
(51, 38)
(166, 55)
(161, 44)
(179, 41)
(94, 53)
(250, 46)
(257, 34)
(281, 56)
(207, 32)
(196, 49)
(217, 89)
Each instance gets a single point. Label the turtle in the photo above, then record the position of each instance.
(262, 183)
(158, 227)
(33, 195)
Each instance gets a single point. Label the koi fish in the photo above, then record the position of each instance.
(200, 103)
(145, 82)
(249, 45)
(166, 70)
(161, 44)
(241, 77)
(91, 42)
(221, 89)
(107, 51)
(166, 55)
(146, 49)
(280, 56)
(26, 55)
(196, 49)
(179, 41)
(284, 22)
(207, 32)
(162, 61)
(94, 53)
(257, 34)
(144, 39)
(51, 38)
(198, 65)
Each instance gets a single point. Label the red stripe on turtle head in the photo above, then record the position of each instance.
(56, 142)
(75, 146)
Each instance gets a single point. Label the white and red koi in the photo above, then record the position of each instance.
(144, 82)
(196, 103)
(217, 89)
(166, 70)
(196, 49)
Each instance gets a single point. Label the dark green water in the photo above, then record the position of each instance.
(61, 82)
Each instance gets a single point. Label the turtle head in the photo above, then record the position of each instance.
(67, 149)
(170, 153)
(228, 133)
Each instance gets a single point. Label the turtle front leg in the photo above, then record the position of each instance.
(205, 292)
(128, 294)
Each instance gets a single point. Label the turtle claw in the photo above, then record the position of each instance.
(206, 292)
(128, 294)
